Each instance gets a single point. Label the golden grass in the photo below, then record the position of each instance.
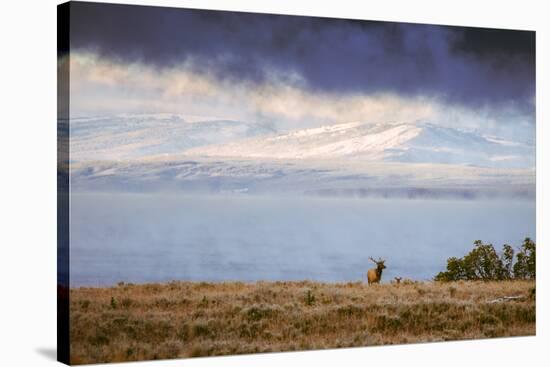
(187, 319)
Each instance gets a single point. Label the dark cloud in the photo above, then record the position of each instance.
(472, 66)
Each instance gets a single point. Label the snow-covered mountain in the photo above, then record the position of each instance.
(205, 154)
(131, 137)
(414, 143)
(138, 137)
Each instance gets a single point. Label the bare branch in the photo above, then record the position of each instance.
(506, 298)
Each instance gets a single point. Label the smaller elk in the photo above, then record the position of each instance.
(397, 280)
(375, 275)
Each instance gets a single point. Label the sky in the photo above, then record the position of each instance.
(295, 72)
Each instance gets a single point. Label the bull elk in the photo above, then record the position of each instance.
(375, 275)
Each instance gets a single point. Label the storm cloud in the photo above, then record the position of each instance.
(473, 67)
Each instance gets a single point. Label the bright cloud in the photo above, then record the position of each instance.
(102, 86)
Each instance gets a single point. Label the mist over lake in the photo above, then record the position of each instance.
(168, 196)
(159, 237)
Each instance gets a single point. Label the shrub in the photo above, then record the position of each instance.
(113, 303)
(310, 298)
(525, 268)
(201, 329)
(507, 260)
(483, 263)
(257, 313)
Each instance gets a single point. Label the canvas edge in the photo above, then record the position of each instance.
(63, 96)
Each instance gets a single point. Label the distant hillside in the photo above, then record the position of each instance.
(414, 143)
(130, 137)
(192, 153)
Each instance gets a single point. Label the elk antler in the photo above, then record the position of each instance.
(374, 261)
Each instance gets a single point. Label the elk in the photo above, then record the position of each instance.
(397, 280)
(375, 275)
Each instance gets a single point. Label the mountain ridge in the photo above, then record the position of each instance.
(169, 136)
(420, 142)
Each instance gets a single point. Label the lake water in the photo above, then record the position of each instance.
(153, 237)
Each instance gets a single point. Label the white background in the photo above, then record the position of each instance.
(28, 182)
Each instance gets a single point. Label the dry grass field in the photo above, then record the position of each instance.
(187, 319)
